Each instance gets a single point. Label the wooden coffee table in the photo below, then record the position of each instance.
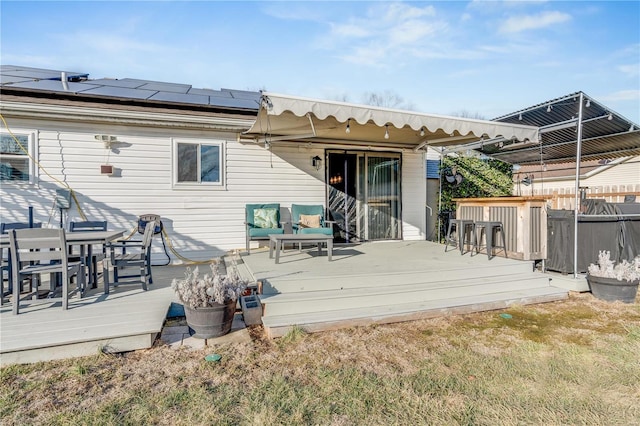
(276, 242)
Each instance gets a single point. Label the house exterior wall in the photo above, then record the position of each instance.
(201, 223)
(414, 196)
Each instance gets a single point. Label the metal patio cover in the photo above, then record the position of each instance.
(605, 133)
(283, 117)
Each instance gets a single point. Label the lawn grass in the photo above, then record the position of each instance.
(570, 362)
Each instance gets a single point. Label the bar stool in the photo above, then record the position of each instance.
(489, 228)
(461, 226)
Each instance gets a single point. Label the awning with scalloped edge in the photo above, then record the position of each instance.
(284, 117)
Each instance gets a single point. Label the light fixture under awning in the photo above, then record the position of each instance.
(286, 117)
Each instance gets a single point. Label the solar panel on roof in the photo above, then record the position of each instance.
(9, 79)
(125, 82)
(53, 85)
(180, 97)
(233, 103)
(209, 92)
(121, 92)
(167, 87)
(243, 94)
(127, 88)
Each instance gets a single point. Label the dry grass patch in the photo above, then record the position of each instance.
(570, 362)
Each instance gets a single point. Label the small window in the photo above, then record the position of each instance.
(198, 163)
(15, 164)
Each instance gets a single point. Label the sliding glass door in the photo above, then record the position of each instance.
(364, 195)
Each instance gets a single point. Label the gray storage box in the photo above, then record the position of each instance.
(251, 309)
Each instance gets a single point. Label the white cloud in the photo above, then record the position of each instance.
(410, 32)
(520, 23)
(622, 95)
(350, 30)
(366, 55)
(401, 12)
(386, 32)
(630, 70)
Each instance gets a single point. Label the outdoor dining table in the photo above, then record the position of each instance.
(84, 240)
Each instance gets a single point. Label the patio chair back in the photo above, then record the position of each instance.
(297, 210)
(6, 227)
(88, 226)
(91, 258)
(5, 263)
(38, 251)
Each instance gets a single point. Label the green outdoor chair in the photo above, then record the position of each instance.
(262, 220)
(305, 217)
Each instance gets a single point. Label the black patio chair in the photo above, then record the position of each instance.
(126, 254)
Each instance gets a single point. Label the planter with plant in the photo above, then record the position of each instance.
(611, 282)
(209, 300)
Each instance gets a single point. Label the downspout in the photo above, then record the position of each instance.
(577, 189)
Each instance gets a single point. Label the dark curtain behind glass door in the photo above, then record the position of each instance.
(343, 186)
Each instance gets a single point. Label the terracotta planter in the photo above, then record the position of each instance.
(611, 289)
(212, 321)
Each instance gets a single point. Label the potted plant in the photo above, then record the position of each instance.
(608, 281)
(209, 300)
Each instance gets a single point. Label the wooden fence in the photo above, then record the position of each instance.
(564, 198)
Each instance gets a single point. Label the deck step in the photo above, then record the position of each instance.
(279, 325)
(296, 284)
(353, 298)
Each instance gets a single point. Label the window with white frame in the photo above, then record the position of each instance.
(198, 162)
(15, 164)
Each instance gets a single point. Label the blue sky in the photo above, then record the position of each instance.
(479, 57)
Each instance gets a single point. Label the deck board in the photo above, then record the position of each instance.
(388, 282)
(129, 318)
(126, 319)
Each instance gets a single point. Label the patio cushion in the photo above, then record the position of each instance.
(251, 208)
(265, 218)
(310, 221)
(264, 232)
(323, 231)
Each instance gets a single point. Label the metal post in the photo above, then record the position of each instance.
(440, 193)
(346, 205)
(576, 209)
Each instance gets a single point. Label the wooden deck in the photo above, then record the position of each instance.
(388, 282)
(126, 319)
(363, 284)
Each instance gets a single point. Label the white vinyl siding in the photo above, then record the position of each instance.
(203, 221)
(414, 196)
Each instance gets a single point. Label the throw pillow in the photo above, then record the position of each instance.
(310, 221)
(265, 218)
